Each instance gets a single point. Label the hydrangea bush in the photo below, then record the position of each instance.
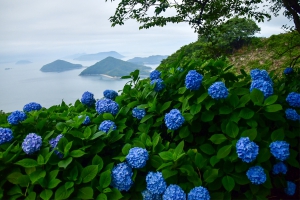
(187, 137)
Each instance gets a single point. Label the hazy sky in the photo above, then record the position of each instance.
(59, 28)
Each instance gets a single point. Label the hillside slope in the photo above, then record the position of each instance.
(60, 66)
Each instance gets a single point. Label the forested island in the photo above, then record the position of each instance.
(99, 56)
(60, 66)
(151, 60)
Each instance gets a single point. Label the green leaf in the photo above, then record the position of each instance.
(105, 179)
(214, 160)
(187, 116)
(244, 100)
(246, 113)
(36, 175)
(77, 153)
(207, 116)
(210, 175)
(85, 193)
(202, 97)
(166, 155)
(169, 173)
(224, 110)
(228, 183)
(31, 196)
(217, 138)
(98, 134)
(13, 177)
(89, 173)
(224, 151)
(101, 196)
(165, 106)
(184, 132)
(270, 100)
(87, 131)
(53, 183)
(233, 100)
(40, 159)
(232, 130)
(65, 163)
(207, 148)
(178, 150)
(108, 116)
(263, 155)
(251, 133)
(63, 193)
(181, 90)
(257, 97)
(146, 118)
(115, 194)
(67, 148)
(277, 134)
(126, 148)
(196, 108)
(273, 108)
(27, 162)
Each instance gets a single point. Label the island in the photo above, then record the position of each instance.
(114, 68)
(23, 62)
(99, 56)
(151, 60)
(60, 66)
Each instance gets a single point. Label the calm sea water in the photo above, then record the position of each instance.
(26, 83)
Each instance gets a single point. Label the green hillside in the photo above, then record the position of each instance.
(114, 67)
(60, 66)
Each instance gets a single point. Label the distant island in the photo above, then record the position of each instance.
(99, 56)
(23, 62)
(151, 60)
(114, 67)
(60, 66)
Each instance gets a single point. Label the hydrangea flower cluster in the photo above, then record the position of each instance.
(246, 149)
(264, 86)
(174, 119)
(138, 113)
(256, 175)
(156, 183)
(88, 99)
(53, 143)
(147, 195)
(174, 192)
(218, 91)
(32, 143)
(292, 114)
(257, 74)
(137, 157)
(159, 84)
(293, 99)
(290, 189)
(86, 121)
(288, 70)
(155, 75)
(110, 94)
(106, 125)
(16, 117)
(121, 176)
(32, 106)
(6, 135)
(107, 106)
(279, 168)
(193, 80)
(280, 150)
(199, 193)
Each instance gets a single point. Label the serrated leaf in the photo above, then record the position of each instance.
(207, 148)
(228, 183)
(77, 153)
(65, 163)
(85, 193)
(169, 173)
(246, 113)
(273, 108)
(89, 173)
(178, 150)
(202, 97)
(224, 110)
(251, 133)
(218, 138)
(224, 151)
(270, 100)
(13, 177)
(166, 155)
(105, 179)
(27, 162)
(277, 134)
(36, 175)
(181, 90)
(210, 175)
(232, 130)
(257, 97)
(146, 118)
(207, 116)
(53, 183)
(165, 106)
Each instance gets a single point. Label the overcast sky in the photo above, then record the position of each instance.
(59, 28)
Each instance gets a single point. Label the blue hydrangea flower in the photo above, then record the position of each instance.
(106, 125)
(159, 84)
(155, 75)
(6, 135)
(293, 99)
(107, 106)
(86, 121)
(218, 91)
(147, 195)
(288, 70)
(292, 114)
(88, 99)
(137, 157)
(199, 193)
(156, 183)
(290, 189)
(174, 192)
(110, 94)
(264, 86)
(32, 143)
(138, 113)
(174, 119)
(246, 149)
(193, 80)
(121, 177)
(279, 168)
(256, 175)
(53, 143)
(280, 150)
(257, 74)
(16, 117)
(32, 106)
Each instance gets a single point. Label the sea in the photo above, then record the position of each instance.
(22, 84)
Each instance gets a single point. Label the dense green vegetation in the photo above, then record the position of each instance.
(60, 66)
(99, 56)
(114, 67)
(152, 60)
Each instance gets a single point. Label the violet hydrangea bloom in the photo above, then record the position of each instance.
(193, 80)
(293, 99)
(6, 135)
(147, 195)
(256, 175)
(121, 177)
(264, 86)
(88, 99)
(199, 193)
(16, 117)
(137, 157)
(279, 168)
(86, 121)
(292, 114)
(290, 189)
(32, 106)
(155, 75)
(174, 192)
(138, 113)
(32, 143)
(156, 183)
(106, 125)
(53, 143)
(246, 149)
(280, 150)
(218, 91)
(159, 84)
(107, 106)
(288, 70)
(174, 119)
(110, 94)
